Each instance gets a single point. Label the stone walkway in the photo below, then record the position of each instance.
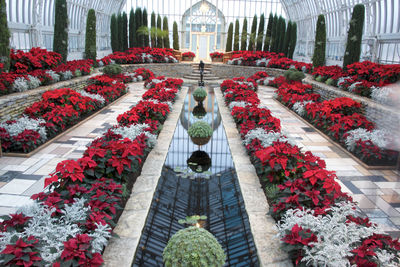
(376, 191)
(22, 177)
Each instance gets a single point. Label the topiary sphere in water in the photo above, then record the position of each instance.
(200, 129)
(193, 247)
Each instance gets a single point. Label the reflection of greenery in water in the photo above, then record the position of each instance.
(199, 111)
(188, 173)
(199, 161)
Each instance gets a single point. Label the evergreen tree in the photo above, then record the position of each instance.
(260, 36)
(159, 38)
(267, 39)
(139, 22)
(132, 29)
(236, 36)
(175, 36)
(318, 58)
(293, 40)
(253, 34)
(354, 36)
(60, 42)
(4, 37)
(153, 26)
(165, 29)
(229, 38)
(145, 24)
(287, 39)
(120, 33)
(282, 30)
(243, 45)
(90, 38)
(124, 32)
(114, 33)
(274, 31)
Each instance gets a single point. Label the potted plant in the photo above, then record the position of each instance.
(199, 161)
(188, 56)
(200, 132)
(199, 111)
(217, 56)
(199, 94)
(193, 247)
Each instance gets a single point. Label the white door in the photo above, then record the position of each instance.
(203, 47)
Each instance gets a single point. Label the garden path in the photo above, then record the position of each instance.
(376, 191)
(22, 177)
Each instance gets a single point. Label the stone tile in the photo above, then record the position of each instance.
(348, 173)
(395, 198)
(363, 202)
(395, 220)
(362, 170)
(384, 206)
(2, 184)
(373, 213)
(364, 184)
(354, 189)
(14, 200)
(392, 185)
(372, 192)
(36, 188)
(16, 186)
(7, 210)
(385, 223)
(16, 168)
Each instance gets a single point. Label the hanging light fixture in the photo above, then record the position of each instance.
(204, 7)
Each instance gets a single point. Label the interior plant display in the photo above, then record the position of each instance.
(216, 56)
(354, 36)
(229, 38)
(199, 94)
(193, 247)
(199, 111)
(90, 41)
(200, 132)
(4, 38)
(294, 75)
(175, 36)
(320, 43)
(199, 161)
(188, 56)
(60, 41)
(112, 70)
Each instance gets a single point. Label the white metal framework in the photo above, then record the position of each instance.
(31, 23)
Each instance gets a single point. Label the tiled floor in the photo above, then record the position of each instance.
(22, 177)
(377, 191)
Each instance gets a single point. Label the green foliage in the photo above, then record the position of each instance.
(4, 37)
(112, 69)
(229, 38)
(281, 33)
(267, 39)
(293, 40)
(192, 220)
(260, 36)
(199, 111)
(120, 23)
(114, 33)
(153, 25)
(90, 42)
(331, 82)
(273, 45)
(154, 33)
(60, 42)
(271, 191)
(165, 29)
(236, 38)
(318, 58)
(175, 36)
(287, 39)
(193, 247)
(320, 79)
(139, 22)
(132, 29)
(243, 45)
(159, 38)
(354, 36)
(253, 33)
(145, 24)
(294, 75)
(124, 32)
(200, 93)
(200, 129)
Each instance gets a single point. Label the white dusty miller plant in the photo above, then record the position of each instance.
(133, 131)
(336, 238)
(25, 123)
(93, 96)
(379, 138)
(385, 95)
(266, 138)
(66, 75)
(20, 85)
(262, 62)
(54, 76)
(33, 82)
(300, 107)
(238, 104)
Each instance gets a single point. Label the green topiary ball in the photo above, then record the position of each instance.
(193, 247)
(200, 129)
(199, 94)
(112, 69)
(294, 75)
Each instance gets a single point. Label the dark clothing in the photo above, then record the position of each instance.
(201, 66)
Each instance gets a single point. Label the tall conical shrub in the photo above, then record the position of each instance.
(4, 37)
(159, 26)
(286, 42)
(273, 44)
(165, 29)
(114, 33)
(120, 32)
(145, 24)
(260, 36)
(243, 45)
(229, 38)
(60, 42)
(90, 38)
(293, 40)
(267, 39)
(282, 30)
(153, 27)
(236, 36)
(139, 22)
(132, 29)
(175, 36)
(253, 34)
(354, 36)
(124, 32)
(318, 58)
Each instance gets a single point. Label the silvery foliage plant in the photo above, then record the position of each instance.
(54, 76)
(33, 82)
(379, 138)
(259, 62)
(266, 138)
(300, 107)
(238, 104)
(20, 85)
(25, 123)
(133, 131)
(93, 96)
(153, 82)
(336, 238)
(265, 80)
(235, 61)
(147, 58)
(384, 95)
(353, 86)
(132, 75)
(341, 80)
(66, 75)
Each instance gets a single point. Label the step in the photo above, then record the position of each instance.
(205, 72)
(194, 77)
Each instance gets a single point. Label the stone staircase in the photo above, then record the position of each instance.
(195, 75)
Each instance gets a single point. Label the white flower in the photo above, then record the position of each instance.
(25, 123)
(266, 138)
(93, 96)
(133, 131)
(20, 85)
(238, 104)
(380, 138)
(299, 107)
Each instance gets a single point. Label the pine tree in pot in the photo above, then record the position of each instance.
(200, 133)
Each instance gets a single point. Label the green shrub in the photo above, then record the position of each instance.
(199, 93)
(166, 30)
(132, 29)
(146, 41)
(320, 43)
(294, 75)
(293, 40)
(175, 36)
(112, 70)
(267, 39)
(260, 36)
(319, 79)
(4, 37)
(193, 247)
(200, 129)
(354, 36)
(243, 45)
(331, 82)
(124, 38)
(281, 34)
(273, 44)
(286, 41)
(90, 41)
(229, 38)
(253, 33)
(60, 41)
(159, 26)
(236, 36)
(114, 33)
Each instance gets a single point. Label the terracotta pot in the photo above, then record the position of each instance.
(200, 141)
(199, 99)
(215, 59)
(187, 59)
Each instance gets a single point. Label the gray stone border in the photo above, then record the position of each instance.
(120, 252)
(262, 225)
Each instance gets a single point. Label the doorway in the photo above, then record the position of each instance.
(202, 45)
